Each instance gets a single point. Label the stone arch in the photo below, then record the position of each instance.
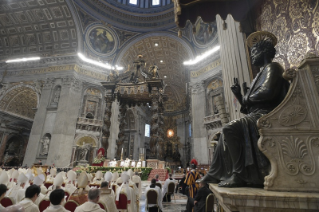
(80, 139)
(20, 100)
(14, 150)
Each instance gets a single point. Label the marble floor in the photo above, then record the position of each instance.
(177, 205)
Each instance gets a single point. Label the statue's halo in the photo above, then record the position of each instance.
(255, 37)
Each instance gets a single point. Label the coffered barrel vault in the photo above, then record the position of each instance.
(36, 27)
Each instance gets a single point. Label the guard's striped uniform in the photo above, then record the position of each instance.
(190, 180)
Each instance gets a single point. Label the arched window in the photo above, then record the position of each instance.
(133, 2)
(155, 2)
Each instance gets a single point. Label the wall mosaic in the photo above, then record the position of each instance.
(296, 25)
(205, 33)
(101, 40)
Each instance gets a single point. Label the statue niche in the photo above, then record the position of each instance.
(92, 103)
(55, 96)
(85, 150)
(237, 160)
(44, 147)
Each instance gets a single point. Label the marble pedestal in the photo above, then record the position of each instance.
(161, 164)
(152, 163)
(260, 200)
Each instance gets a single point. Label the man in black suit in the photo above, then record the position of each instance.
(200, 199)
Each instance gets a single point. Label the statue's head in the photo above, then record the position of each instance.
(261, 52)
(262, 45)
(46, 138)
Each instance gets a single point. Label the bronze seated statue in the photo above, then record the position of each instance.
(237, 160)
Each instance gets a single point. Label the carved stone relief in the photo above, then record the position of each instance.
(290, 135)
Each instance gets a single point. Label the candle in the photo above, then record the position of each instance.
(122, 151)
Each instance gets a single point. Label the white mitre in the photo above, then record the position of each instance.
(58, 180)
(108, 176)
(71, 175)
(38, 180)
(22, 179)
(14, 175)
(4, 178)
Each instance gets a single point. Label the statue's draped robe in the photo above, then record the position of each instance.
(237, 151)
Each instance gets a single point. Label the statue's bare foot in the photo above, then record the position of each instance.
(233, 181)
(208, 179)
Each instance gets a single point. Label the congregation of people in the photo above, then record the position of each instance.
(100, 193)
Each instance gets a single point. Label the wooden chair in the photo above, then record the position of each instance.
(170, 190)
(102, 205)
(122, 205)
(114, 188)
(47, 184)
(152, 196)
(67, 194)
(71, 205)
(210, 203)
(159, 185)
(7, 201)
(44, 204)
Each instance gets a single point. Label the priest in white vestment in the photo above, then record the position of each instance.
(22, 180)
(137, 179)
(154, 187)
(17, 191)
(38, 180)
(57, 201)
(44, 189)
(107, 196)
(70, 187)
(126, 189)
(13, 174)
(57, 184)
(31, 195)
(165, 186)
(98, 178)
(91, 205)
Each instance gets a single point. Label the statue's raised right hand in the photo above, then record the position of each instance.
(236, 87)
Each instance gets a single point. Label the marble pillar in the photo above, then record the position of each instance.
(199, 148)
(62, 140)
(38, 123)
(233, 60)
(114, 130)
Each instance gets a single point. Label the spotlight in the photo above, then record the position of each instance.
(23, 59)
(202, 57)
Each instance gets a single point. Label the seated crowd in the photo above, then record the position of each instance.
(20, 190)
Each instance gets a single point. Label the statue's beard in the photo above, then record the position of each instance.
(258, 60)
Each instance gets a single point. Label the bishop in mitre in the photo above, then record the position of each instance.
(107, 194)
(128, 191)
